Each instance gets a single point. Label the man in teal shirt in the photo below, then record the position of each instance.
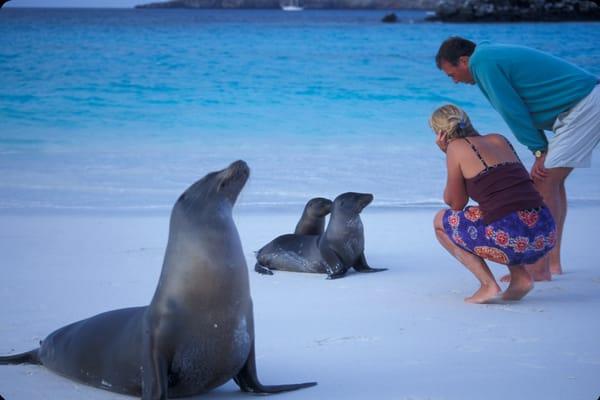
(533, 92)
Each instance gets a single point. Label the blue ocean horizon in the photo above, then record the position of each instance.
(121, 110)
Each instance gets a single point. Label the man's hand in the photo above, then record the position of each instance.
(538, 171)
(440, 140)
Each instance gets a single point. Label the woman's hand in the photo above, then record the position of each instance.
(441, 141)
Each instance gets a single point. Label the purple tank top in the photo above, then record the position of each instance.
(502, 189)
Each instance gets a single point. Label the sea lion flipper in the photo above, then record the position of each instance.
(362, 265)
(334, 266)
(155, 380)
(261, 269)
(30, 357)
(247, 379)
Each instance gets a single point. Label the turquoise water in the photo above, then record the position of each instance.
(122, 109)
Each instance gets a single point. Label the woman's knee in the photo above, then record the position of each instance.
(438, 220)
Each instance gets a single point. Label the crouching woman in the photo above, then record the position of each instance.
(510, 225)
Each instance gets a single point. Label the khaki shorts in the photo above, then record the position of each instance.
(576, 134)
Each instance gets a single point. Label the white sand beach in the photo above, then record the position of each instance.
(106, 115)
(401, 334)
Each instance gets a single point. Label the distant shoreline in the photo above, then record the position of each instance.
(433, 15)
(214, 9)
(306, 4)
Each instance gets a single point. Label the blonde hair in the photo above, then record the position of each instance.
(453, 121)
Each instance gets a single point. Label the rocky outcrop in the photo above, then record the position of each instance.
(308, 4)
(390, 18)
(212, 4)
(516, 10)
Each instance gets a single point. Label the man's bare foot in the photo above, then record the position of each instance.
(537, 275)
(484, 294)
(518, 289)
(556, 269)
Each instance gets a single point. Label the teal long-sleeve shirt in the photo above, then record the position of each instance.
(528, 88)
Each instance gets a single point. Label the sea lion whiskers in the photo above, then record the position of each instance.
(232, 179)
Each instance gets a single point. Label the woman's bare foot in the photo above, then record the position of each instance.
(484, 294)
(516, 292)
(521, 283)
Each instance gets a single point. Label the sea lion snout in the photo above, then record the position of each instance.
(240, 166)
(353, 202)
(364, 200)
(319, 207)
(236, 170)
(232, 179)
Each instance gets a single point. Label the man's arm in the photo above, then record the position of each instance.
(498, 89)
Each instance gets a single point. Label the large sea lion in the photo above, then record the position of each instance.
(340, 247)
(312, 221)
(198, 331)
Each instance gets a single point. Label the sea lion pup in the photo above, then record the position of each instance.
(198, 331)
(312, 221)
(340, 247)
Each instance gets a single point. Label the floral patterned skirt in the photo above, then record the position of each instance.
(521, 237)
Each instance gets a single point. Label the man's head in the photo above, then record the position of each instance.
(453, 58)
